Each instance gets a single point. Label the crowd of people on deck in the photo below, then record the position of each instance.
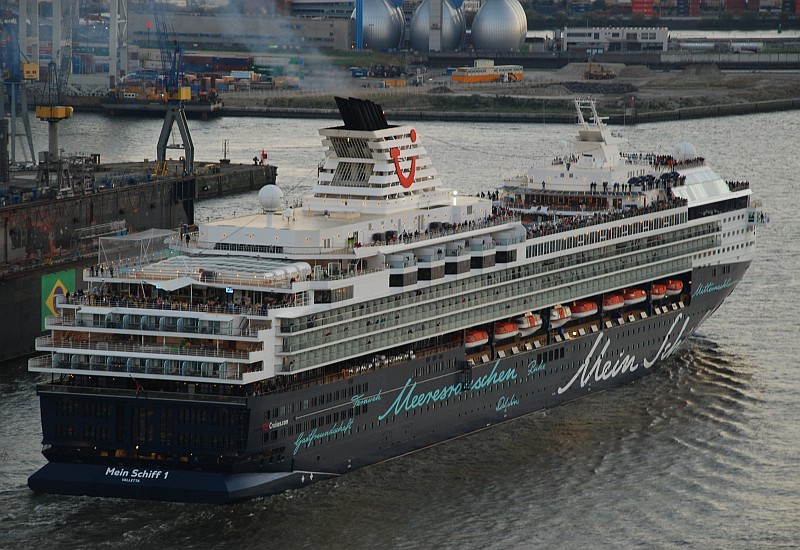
(493, 195)
(576, 222)
(738, 185)
(499, 215)
(213, 305)
(563, 160)
(662, 162)
(668, 161)
(100, 270)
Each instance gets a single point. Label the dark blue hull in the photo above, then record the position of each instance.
(307, 435)
(168, 485)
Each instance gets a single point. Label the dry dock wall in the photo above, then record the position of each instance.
(216, 180)
(45, 244)
(38, 229)
(25, 300)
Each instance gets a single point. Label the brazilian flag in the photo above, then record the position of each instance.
(55, 284)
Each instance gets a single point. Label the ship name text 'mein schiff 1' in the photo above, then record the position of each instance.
(383, 315)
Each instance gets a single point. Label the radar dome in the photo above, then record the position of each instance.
(270, 197)
(684, 151)
(454, 27)
(382, 25)
(500, 26)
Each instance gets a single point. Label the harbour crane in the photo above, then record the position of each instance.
(175, 94)
(16, 72)
(53, 170)
(52, 111)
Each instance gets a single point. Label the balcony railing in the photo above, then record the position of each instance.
(48, 343)
(60, 321)
(215, 371)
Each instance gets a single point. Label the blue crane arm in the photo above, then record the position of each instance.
(171, 53)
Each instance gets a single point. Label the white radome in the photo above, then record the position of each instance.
(684, 151)
(271, 198)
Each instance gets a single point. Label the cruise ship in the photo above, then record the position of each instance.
(380, 315)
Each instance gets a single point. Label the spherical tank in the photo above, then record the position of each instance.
(383, 25)
(454, 27)
(500, 25)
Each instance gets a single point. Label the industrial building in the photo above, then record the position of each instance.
(226, 31)
(123, 39)
(616, 39)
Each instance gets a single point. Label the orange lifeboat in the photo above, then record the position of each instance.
(674, 287)
(505, 329)
(658, 291)
(528, 323)
(634, 296)
(476, 338)
(559, 315)
(613, 301)
(582, 309)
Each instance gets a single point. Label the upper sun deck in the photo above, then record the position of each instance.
(598, 175)
(304, 234)
(193, 259)
(305, 218)
(598, 160)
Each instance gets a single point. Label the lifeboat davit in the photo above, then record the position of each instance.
(505, 329)
(657, 292)
(612, 302)
(634, 296)
(583, 309)
(476, 338)
(559, 315)
(674, 287)
(528, 323)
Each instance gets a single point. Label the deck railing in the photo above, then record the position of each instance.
(51, 344)
(201, 372)
(60, 321)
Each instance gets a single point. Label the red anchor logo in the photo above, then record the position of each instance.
(394, 152)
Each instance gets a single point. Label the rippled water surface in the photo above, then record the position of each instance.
(703, 453)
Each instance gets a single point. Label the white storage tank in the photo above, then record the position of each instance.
(454, 27)
(499, 26)
(383, 25)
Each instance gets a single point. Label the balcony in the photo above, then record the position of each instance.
(48, 343)
(174, 369)
(56, 322)
(258, 310)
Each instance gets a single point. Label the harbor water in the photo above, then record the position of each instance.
(702, 453)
